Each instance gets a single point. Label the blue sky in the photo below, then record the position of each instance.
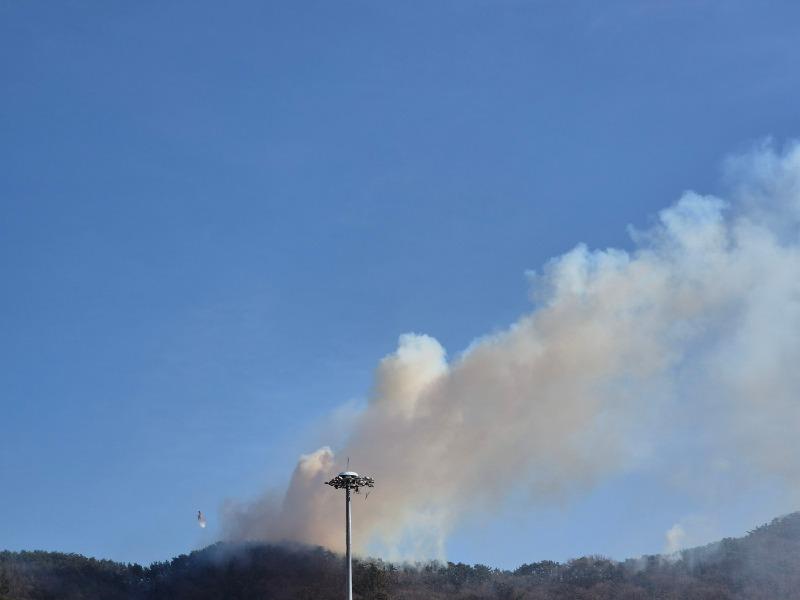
(216, 220)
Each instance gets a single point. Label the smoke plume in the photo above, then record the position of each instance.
(695, 329)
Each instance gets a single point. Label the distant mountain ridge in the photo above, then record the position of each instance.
(764, 564)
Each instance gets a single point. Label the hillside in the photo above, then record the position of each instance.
(765, 564)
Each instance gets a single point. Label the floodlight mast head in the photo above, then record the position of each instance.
(349, 481)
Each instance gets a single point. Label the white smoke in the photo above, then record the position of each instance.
(696, 329)
(691, 530)
(675, 539)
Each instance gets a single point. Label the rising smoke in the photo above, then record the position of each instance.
(696, 329)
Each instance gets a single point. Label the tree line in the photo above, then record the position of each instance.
(765, 564)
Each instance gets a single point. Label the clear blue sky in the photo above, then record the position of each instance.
(214, 220)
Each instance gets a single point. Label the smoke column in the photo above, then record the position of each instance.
(701, 319)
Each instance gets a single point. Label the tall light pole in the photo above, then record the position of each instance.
(348, 480)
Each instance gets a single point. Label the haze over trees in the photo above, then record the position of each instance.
(765, 564)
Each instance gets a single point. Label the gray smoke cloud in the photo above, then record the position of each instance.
(696, 329)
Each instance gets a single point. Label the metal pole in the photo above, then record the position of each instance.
(347, 481)
(349, 555)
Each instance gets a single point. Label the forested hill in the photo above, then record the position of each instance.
(765, 564)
